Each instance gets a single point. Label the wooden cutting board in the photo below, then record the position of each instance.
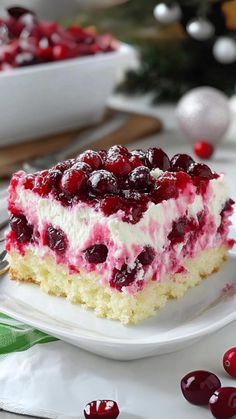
(137, 126)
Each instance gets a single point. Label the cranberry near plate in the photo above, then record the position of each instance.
(121, 244)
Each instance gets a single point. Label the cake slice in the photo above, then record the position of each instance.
(119, 232)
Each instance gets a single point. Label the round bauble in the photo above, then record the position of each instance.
(200, 29)
(167, 14)
(204, 112)
(224, 50)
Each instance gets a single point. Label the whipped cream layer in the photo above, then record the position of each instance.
(85, 226)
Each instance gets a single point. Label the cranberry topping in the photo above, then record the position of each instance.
(228, 206)
(107, 409)
(203, 149)
(103, 155)
(45, 181)
(18, 11)
(73, 181)
(62, 166)
(92, 158)
(22, 229)
(140, 179)
(102, 182)
(181, 162)
(182, 180)
(118, 164)
(83, 166)
(96, 253)
(201, 170)
(135, 161)
(229, 362)
(157, 158)
(117, 150)
(223, 403)
(56, 239)
(112, 204)
(147, 256)
(198, 386)
(165, 188)
(123, 278)
(178, 231)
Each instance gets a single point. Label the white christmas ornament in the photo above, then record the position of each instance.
(167, 14)
(224, 50)
(200, 29)
(204, 114)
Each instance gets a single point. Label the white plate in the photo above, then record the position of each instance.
(202, 311)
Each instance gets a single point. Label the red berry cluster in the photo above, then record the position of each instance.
(204, 388)
(117, 179)
(25, 40)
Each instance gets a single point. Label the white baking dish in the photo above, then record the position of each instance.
(44, 99)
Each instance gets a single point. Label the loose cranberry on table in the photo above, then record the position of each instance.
(198, 386)
(229, 362)
(223, 403)
(107, 409)
(203, 149)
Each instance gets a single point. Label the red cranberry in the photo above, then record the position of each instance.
(203, 149)
(25, 58)
(92, 158)
(136, 161)
(73, 181)
(9, 52)
(123, 278)
(103, 155)
(147, 256)
(118, 149)
(102, 182)
(118, 164)
(56, 239)
(42, 184)
(165, 188)
(181, 161)
(201, 170)
(61, 52)
(96, 253)
(22, 229)
(140, 179)
(141, 155)
(83, 166)
(111, 204)
(157, 158)
(198, 386)
(62, 166)
(178, 231)
(54, 176)
(107, 409)
(229, 362)
(223, 403)
(18, 11)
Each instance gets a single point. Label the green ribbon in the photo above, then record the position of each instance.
(16, 336)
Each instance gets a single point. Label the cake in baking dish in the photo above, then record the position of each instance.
(119, 232)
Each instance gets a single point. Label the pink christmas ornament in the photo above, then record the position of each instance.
(204, 113)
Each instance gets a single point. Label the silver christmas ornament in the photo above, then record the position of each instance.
(200, 29)
(224, 50)
(204, 114)
(167, 14)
